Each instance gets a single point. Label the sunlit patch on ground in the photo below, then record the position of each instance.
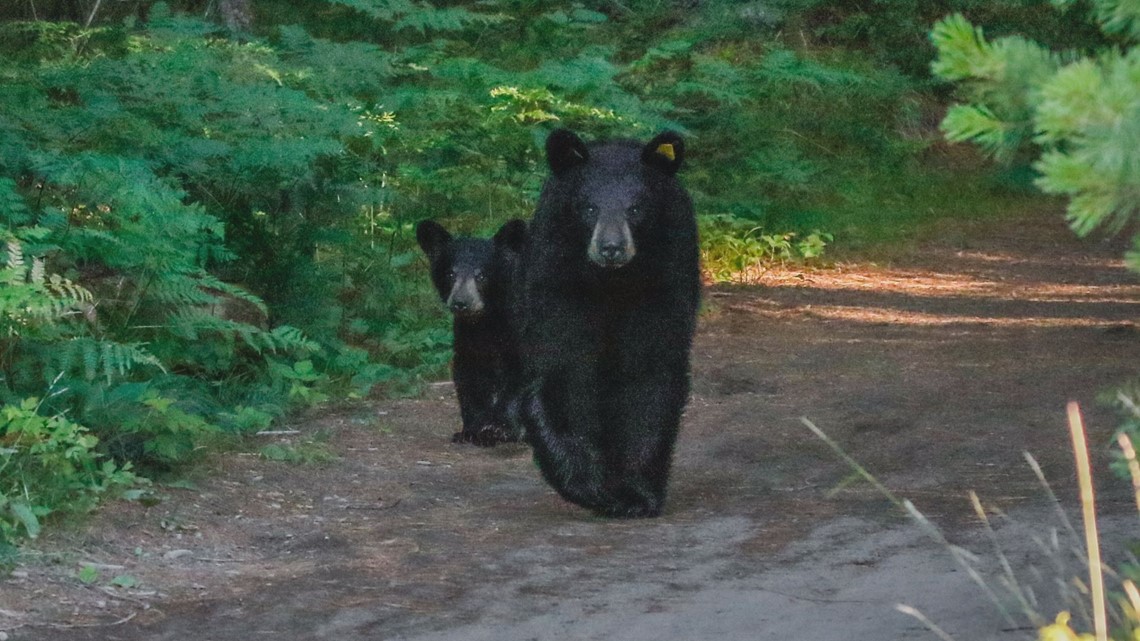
(994, 289)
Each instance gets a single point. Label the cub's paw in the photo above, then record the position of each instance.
(464, 436)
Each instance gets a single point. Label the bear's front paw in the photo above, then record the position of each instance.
(487, 435)
(492, 434)
(639, 511)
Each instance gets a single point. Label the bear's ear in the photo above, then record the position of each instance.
(431, 236)
(565, 150)
(666, 152)
(512, 235)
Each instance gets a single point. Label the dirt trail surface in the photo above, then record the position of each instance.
(935, 372)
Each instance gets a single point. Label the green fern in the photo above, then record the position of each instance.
(31, 302)
(91, 358)
(199, 324)
(420, 16)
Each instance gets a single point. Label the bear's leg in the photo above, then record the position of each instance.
(646, 416)
(647, 387)
(475, 389)
(561, 427)
(504, 413)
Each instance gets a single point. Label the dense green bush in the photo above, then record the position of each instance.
(49, 466)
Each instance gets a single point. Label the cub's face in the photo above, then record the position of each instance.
(461, 268)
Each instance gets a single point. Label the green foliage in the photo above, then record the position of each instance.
(1114, 16)
(1089, 122)
(311, 450)
(1082, 112)
(734, 251)
(1002, 76)
(420, 16)
(88, 574)
(120, 164)
(49, 466)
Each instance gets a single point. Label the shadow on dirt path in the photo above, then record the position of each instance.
(935, 372)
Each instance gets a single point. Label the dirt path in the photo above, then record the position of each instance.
(935, 372)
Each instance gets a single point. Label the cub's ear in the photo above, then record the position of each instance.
(512, 235)
(666, 152)
(431, 236)
(565, 150)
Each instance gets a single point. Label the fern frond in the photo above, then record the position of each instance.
(191, 324)
(420, 16)
(15, 256)
(210, 282)
(428, 18)
(13, 209)
(30, 299)
(63, 288)
(291, 339)
(92, 358)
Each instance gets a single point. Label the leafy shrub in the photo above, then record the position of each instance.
(732, 250)
(49, 466)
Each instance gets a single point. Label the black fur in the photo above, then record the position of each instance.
(486, 366)
(609, 307)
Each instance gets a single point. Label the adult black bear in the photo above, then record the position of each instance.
(476, 278)
(609, 306)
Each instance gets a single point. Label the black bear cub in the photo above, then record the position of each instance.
(609, 303)
(475, 277)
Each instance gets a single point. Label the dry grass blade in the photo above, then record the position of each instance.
(939, 632)
(1133, 596)
(853, 463)
(1088, 508)
(1011, 583)
(1133, 466)
(1061, 515)
(964, 558)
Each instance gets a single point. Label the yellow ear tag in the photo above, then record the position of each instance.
(666, 149)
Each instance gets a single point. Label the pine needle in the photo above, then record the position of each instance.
(938, 632)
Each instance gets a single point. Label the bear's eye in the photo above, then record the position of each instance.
(480, 277)
(589, 209)
(451, 273)
(635, 211)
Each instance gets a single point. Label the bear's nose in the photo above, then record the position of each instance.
(459, 306)
(612, 251)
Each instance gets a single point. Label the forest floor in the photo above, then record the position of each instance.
(935, 369)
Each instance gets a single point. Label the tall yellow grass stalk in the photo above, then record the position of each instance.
(1088, 508)
(1133, 465)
